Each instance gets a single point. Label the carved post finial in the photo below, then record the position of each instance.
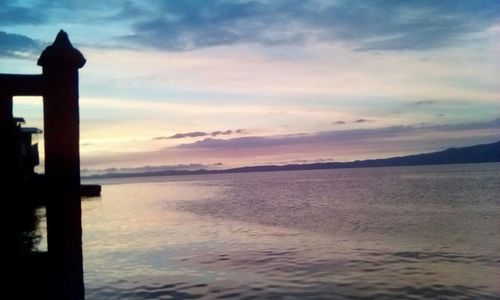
(61, 53)
(62, 40)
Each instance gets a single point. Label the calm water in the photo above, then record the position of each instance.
(380, 233)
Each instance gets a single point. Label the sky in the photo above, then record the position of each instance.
(217, 84)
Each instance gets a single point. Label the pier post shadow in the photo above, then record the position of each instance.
(58, 273)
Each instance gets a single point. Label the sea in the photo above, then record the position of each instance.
(424, 232)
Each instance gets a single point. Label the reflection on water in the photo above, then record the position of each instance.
(417, 233)
(23, 265)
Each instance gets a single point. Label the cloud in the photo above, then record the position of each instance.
(216, 133)
(431, 105)
(13, 13)
(424, 102)
(293, 139)
(358, 121)
(177, 167)
(366, 25)
(377, 25)
(341, 145)
(188, 134)
(303, 161)
(129, 10)
(494, 124)
(16, 45)
(363, 121)
(339, 136)
(63, 12)
(201, 133)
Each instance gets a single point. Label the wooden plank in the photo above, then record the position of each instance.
(21, 85)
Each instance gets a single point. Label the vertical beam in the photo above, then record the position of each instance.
(7, 134)
(5, 108)
(60, 63)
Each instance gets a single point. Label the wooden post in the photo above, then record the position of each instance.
(7, 130)
(60, 63)
(5, 108)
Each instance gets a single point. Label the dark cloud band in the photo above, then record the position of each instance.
(16, 45)
(328, 137)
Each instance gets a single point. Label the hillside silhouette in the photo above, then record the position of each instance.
(473, 154)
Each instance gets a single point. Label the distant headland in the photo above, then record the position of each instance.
(464, 155)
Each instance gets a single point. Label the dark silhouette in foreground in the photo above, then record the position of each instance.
(58, 272)
(464, 155)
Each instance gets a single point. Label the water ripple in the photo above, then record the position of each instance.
(279, 274)
(391, 233)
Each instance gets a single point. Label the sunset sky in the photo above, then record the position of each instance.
(190, 84)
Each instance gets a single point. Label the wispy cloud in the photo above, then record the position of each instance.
(14, 13)
(17, 45)
(303, 161)
(378, 25)
(357, 121)
(494, 124)
(183, 135)
(363, 121)
(177, 167)
(201, 133)
(368, 25)
(216, 133)
(435, 106)
(423, 102)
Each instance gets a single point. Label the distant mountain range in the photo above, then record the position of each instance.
(464, 155)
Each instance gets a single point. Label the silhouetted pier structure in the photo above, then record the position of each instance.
(58, 85)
